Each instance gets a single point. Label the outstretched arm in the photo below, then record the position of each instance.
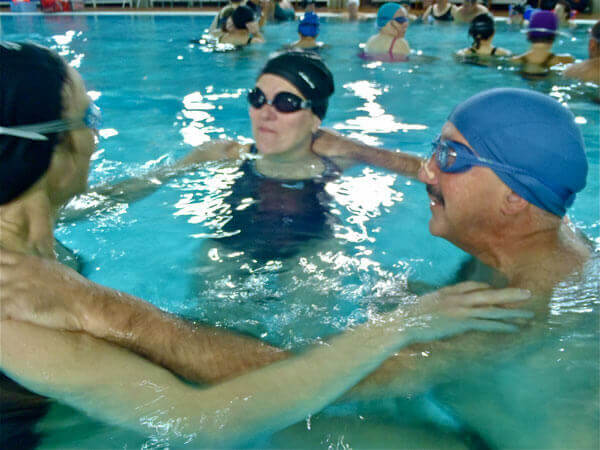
(348, 152)
(139, 187)
(52, 295)
(117, 386)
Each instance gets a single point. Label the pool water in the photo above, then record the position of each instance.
(161, 95)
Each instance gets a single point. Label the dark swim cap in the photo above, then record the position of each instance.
(309, 25)
(482, 27)
(531, 132)
(241, 16)
(308, 73)
(31, 83)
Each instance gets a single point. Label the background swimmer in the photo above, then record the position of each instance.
(482, 30)
(308, 30)
(588, 70)
(468, 11)
(441, 10)
(389, 43)
(241, 28)
(541, 33)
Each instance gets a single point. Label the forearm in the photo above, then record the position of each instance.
(198, 353)
(396, 161)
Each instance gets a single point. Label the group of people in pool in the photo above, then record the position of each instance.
(239, 24)
(501, 176)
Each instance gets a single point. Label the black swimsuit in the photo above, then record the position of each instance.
(446, 17)
(272, 217)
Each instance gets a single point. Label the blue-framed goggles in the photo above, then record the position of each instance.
(454, 157)
(37, 132)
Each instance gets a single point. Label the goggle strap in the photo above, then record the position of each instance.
(21, 133)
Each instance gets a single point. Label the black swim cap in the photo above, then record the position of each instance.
(482, 27)
(31, 83)
(308, 73)
(241, 16)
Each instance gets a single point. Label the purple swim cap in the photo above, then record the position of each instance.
(533, 133)
(543, 24)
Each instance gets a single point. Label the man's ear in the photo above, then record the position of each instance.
(513, 204)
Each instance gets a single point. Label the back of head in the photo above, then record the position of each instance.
(518, 9)
(482, 27)
(532, 133)
(386, 13)
(31, 84)
(309, 25)
(241, 16)
(308, 73)
(542, 27)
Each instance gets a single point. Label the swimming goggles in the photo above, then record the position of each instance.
(36, 132)
(284, 102)
(400, 19)
(454, 157)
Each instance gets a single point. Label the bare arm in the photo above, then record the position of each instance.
(117, 386)
(66, 300)
(348, 152)
(137, 188)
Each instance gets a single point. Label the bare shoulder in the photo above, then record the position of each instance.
(212, 151)
(562, 59)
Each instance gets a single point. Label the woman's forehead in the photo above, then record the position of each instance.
(275, 84)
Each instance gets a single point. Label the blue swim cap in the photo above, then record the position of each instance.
(309, 25)
(386, 13)
(532, 132)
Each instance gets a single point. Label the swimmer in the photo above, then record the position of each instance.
(441, 10)
(308, 30)
(45, 150)
(482, 30)
(563, 11)
(218, 23)
(589, 70)
(541, 33)
(389, 43)
(284, 11)
(241, 28)
(468, 11)
(516, 15)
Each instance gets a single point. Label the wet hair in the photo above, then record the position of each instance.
(31, 85)
(308, 73)
(482, 27)
(547, 5)
(241, 16)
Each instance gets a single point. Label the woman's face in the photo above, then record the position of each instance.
(70, 165)
(276, 132)
(395, 28)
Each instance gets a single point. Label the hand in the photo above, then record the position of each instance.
(331, 144)
(40, 291)
(469, 306)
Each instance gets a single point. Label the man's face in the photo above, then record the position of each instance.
(464, 205)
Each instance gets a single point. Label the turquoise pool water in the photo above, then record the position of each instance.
(160, 96)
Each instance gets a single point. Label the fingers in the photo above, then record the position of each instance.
(490, 325)
(465, 286)
(495, 297)
(499, 313)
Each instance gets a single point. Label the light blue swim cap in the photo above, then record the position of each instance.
(309, 25)
(386, 13)
(532, 132)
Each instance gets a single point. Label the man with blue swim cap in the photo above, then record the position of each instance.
(506, 167)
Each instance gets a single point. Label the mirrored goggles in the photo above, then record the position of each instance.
(284, 102)
(37, 132)
(454, 157)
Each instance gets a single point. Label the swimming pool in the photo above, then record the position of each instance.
(160, 96)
